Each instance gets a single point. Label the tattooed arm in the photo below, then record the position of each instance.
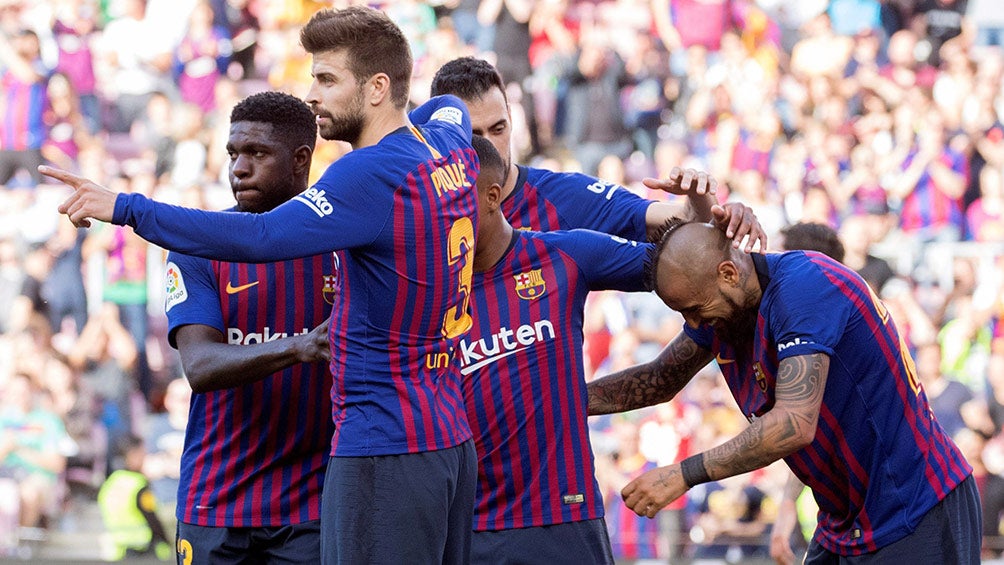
(789, 426)
(651, 383)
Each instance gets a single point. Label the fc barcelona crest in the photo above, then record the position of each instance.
(761, 379)
(530, 285)
(330, 289)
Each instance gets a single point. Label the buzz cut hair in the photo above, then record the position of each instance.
(661, 240)
(291, 119)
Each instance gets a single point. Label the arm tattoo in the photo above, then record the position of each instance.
(789, 426)
(651, 383)
(665, 474)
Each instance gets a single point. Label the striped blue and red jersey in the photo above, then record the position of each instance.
(927, 207)
(547, 201)
(254, 455)
(403, 212)
(24, 104)
(524, 384)
(879, 460)
(631, 536)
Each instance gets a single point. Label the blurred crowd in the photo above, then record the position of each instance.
(880, 119)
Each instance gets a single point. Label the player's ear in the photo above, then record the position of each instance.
(728, 273)
(493, 197)
(301, 159)
(378, 87)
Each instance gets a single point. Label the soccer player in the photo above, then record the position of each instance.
(400, 210)
(253, 342)
(524, 384)
(543, 200)
(817, 366)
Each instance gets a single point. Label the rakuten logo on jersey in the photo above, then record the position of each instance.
(477, 354)
(235, 336)
(316, 201)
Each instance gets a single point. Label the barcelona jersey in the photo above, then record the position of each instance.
(524, 382)
(254, 455)
(879, 460)
(403, 214)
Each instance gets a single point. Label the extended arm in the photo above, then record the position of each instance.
(651, 383)
(786, 428)
(312, 223)
(210, 363)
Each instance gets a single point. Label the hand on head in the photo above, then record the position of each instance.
(739, 223)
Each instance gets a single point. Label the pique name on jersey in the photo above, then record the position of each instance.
(236, 336)
(449, 177)
(505, 342)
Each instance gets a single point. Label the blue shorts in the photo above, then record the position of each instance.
(950, 532)
(575, 543)
(393, 509)
(295, 543)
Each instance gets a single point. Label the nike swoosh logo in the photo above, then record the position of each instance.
(231, 289)
(720, 361)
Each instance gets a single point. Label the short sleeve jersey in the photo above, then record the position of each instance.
(879, 460)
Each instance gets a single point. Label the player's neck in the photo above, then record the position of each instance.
(494, 237)
(380, 125)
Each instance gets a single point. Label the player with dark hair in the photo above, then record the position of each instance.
(810, 236)
(400, 210)
(543, 200)
(816, 364)
(524, 383)
(256, 444)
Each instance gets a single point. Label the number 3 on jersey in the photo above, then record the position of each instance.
(457, 319)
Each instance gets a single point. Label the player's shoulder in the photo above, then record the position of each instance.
(800, 263)
(557, 186)
(548, 179)
(579, 241)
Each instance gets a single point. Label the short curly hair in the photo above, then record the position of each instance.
(291, 118)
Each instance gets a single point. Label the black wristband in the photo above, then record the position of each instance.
(693, 470)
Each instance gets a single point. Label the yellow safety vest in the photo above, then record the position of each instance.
(122, 515)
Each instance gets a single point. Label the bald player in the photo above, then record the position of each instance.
(816, 364)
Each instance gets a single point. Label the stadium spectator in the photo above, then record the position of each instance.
(596, 77)
(24, 78)
(946, 396)
(201, 58)
(136, 59)
(32, 448)
(74, 30)
(129, 508)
